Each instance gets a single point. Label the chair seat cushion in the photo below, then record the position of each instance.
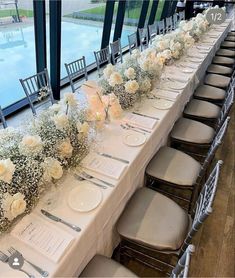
(230, 38)
(192, 132)
(101, 266)
(217, 80)
(217, 69)
(210, 92)
(169, 165)
(204, 109)
(231, 33)
(227, 44)
(223, 60)
(226, 53)
(153, 220)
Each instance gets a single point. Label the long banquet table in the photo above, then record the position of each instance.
(98, 233)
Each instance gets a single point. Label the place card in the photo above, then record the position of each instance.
(43, 236)
(104, 166)
(140, 121)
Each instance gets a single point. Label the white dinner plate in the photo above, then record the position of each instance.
(85, 197)
(162, 104)
(133, 139)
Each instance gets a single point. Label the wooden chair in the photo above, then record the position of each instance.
(116, 51)
(38, 90)
(155, 231)
(2, 119)
(75, 70)
(101, 57)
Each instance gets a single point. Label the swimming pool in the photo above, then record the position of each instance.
(17, 54)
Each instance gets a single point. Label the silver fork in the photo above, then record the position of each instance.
(92, 177)
(4, 258)
(44, 273)
(129, 128)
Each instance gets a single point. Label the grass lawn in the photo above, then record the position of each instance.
(10, 12)
(133, 13)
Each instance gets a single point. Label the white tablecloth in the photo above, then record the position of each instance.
(98, 233)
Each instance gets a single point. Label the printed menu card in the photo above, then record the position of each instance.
(140, 121)
(43, 236)
(103, 165)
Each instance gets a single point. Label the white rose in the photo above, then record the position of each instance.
(131, 86)
(145, 85)
(13, 205)
(61, 121)
(65, 149)
(130, 73)
(56, 108)
(108, 71)
(52, 169)
(7, 169)
(70, 99)
(115, 79)
(31, 145)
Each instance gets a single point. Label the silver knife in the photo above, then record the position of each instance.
(57, 219)
(137, 128)
(140, 114)
(86, 179)
(113, 157)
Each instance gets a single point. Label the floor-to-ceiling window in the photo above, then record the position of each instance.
(17, 50)
(82, 26)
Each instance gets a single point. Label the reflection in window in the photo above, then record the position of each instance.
(17, 51)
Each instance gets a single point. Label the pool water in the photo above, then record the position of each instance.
(17, 54)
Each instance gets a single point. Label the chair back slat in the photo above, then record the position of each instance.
(161, 27)
(182, 267)
(204, 204)
(152, 31)
(175, 20)
(75, 70)
(132, 42)
(144, 38)
(2, 119)
(214, 146)
(169, 24)
(182, 15)
(116, 51)
(102, 56)
(37, 87)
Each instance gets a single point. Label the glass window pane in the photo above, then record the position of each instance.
(159, 10)
(82, 26)
(17, 50)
